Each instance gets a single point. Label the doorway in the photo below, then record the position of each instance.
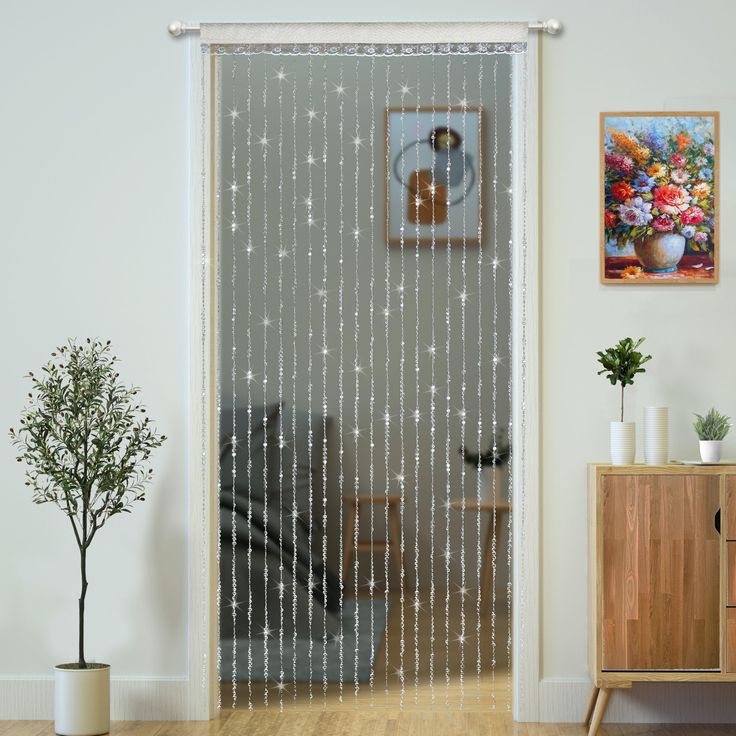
(365, 287)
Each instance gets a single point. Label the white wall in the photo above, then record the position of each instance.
(93, 226)
(94, 243)
(596, 66)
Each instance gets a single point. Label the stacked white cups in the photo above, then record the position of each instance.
(656, 435)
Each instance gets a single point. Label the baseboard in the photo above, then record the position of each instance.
(131, 699)
(565, 700)
(561, 700)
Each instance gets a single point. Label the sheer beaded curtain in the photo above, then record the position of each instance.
(363, 206)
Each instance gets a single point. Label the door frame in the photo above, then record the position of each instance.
(203, 589)
(526, 399)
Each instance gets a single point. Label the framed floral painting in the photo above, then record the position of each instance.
(659, 192)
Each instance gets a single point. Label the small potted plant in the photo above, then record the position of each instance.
(87, 441)
(620, 364)
(711, 430)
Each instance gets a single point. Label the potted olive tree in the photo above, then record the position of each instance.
(620, 364)
(86, 440)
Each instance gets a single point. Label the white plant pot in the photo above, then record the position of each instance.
(623, 443)
(82, 701)
(710, 451)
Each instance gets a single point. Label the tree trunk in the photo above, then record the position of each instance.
(82, 596)
(622, 402)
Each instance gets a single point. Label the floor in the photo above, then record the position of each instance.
(363, 723)
(480, 689)
(485, 699)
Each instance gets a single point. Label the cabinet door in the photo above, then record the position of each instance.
(660, 572)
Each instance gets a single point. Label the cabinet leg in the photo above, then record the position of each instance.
(599, 711)
(353, 512)
(591, 705)
(394, 520)
(486, 590)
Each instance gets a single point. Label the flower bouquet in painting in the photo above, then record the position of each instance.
(659, 197)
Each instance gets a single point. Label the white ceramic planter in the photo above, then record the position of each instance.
(710, 451)
(656, 435)
(623, 443)
(82, 701)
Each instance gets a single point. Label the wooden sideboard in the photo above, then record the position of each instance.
(662, 577)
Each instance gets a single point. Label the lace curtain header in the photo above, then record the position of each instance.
(425, 49)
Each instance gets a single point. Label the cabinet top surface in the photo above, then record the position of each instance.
(669, 468)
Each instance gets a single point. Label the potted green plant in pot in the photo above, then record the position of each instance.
(711, 430)
(87, 441)
(620, 364)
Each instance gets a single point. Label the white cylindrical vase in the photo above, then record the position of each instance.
(656, 435)
(710, 451)
(623, 443)
(82, 700)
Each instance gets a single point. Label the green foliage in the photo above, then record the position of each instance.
(712, 426)
(621, 363)
(87, 441)
(85, 437)
(639, 232)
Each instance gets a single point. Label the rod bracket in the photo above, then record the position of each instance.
(551, 26)
(177, 29)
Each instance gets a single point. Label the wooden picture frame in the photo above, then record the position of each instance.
(659, 176)
(468, 203)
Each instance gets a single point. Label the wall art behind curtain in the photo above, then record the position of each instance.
(659, 189)
(353, 372)
(434, 185)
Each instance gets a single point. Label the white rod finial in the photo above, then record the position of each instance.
(552, 26)
(176, 28)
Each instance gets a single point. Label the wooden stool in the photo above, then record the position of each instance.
(393, 541)
(494, 530)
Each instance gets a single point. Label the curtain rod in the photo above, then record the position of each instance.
(552, 26)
